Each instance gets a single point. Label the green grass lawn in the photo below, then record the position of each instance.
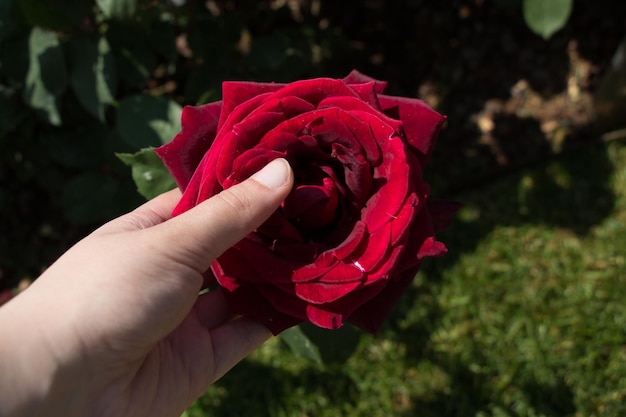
(525, 316)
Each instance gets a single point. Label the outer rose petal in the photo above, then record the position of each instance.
(356, 77)
(421, 123)
(371, 315)
(182, 155)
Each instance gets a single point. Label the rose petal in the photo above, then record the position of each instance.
(353, 240)
(321, 293)
(255, 303)
(182, 155)
(268, 265)
(371, 315)
(376, 249)
(332, 315)
(357, 106)
(393, 175)
(357, 175)
(421, 123)
(387, 268)
(278, 228)
(309, 272)
(342, 273)
(235, 93)
(356, 77)
(324, 319)
(316, 90)
(421, 230)
(402, 220)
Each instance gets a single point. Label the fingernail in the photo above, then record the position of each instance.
(275, 174)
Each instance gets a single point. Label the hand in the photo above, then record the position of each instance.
(116, 327)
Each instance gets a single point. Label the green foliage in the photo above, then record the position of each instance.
(149, 173)
(47, 76)
(145, 121)
(300, 345)
(545, 17)
(118, 9)
(93, 75)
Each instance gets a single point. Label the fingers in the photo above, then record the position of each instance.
(234, 341)
(198, 236)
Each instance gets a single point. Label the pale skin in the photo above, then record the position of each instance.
(116, 327)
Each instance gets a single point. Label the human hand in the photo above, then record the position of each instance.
(116, 326)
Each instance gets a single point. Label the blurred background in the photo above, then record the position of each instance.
(524, 316)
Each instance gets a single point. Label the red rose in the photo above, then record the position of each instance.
(348, 240)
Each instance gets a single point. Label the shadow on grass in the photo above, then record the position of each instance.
(251, 389)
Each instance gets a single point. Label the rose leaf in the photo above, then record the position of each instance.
(150, 175)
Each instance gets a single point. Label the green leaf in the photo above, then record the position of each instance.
(47, 77)
(93, 76)
(149, 173)
(144, 121)
(545, 17)
(334, 346)
(300, 345)
(118, 9)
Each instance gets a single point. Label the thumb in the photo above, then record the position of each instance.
(198, 236)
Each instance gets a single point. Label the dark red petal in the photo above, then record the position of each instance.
(353, 240)
(357, 106)
(243, 136)
(400, 224)
(255, 303)
(431, 248)
(310, 272)
(357, 175)
(342, 273)
(332, 315)
(324, 319)
(385, 270)
(421, 123)
(376, 249)
(279, 229)
(316, 89)
(356, 77)
(320, 293)
(182, 155)
(235, 93)
(421, 230)
(268, 265)
(371, 315)
(278, 140)
(393, 175)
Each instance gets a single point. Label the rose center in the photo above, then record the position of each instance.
(313, 203)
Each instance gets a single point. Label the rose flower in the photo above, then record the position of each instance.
(349, 238)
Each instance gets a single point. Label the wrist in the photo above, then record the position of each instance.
(36, 377)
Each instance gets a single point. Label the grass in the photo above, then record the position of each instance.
(525, 316)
